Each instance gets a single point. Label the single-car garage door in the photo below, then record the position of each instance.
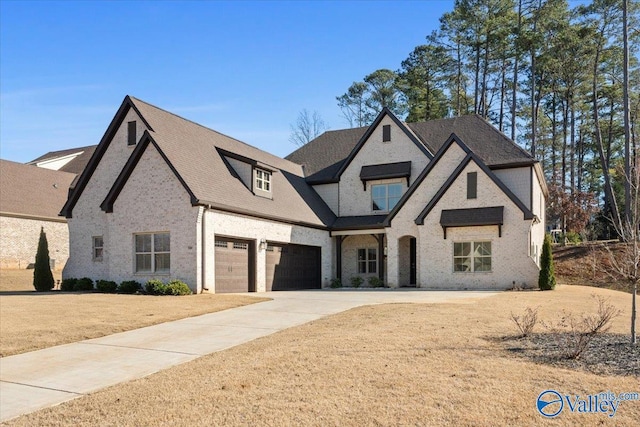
(291, 267)
(233, 259)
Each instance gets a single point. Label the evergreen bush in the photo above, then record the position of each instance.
(42, 276)
(129, 287)
(155, 287)
(68, 284)
(84, 284)
(547, 278)
(106, 286)
(177, 287)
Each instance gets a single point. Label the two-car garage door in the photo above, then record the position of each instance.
(288, 267)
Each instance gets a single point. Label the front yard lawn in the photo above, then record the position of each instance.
(396, 364)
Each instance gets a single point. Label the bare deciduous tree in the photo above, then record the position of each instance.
(308, 127)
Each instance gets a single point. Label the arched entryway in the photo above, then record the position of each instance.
(407, 261)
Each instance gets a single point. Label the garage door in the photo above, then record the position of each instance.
(291, 267)
(233, 265)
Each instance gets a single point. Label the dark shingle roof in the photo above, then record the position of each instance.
(193, 152)
(33, 191)
(472, 217)
(384, 171)
(326, 150)
(324, 156)
(76, 165)
(361, 221)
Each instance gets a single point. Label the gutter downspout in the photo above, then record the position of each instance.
(203, 247)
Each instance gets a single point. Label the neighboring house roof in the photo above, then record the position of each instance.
(325, 156)
(30, 191)
(80, 158)
(192, 152)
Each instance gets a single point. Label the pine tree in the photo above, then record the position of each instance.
(42, 276)
(547, 278)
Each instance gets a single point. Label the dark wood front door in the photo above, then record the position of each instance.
(412, 261)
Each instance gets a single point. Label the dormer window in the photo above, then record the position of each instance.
(263, 180)
(386, 133)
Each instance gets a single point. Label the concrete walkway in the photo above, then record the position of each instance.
(43, 378)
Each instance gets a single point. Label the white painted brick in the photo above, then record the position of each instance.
(19, 241)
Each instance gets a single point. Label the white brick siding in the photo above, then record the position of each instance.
(87, 218)
(244, 227)
(19, 241)
(510, 253)
(518, 180)
(354, 200)
(330, 193)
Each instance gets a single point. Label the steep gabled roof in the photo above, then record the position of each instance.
(325, 156)
(193, 152)
(472, 157)
(30, 191)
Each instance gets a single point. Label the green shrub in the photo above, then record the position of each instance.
(129, 287)
(42, 276)
(106, 286)
(84, 284)
(177, 287)
(155, 287)
(356, 281)
(336, 283)
(375, 282)
(68, 284)
(547, 278)
(573, 237)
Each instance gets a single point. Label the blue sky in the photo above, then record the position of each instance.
(243, 68)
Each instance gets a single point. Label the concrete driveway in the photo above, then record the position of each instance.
(43, 378)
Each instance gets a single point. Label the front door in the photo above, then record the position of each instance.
(412, 261)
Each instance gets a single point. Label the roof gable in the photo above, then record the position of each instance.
(384, 113)
(472, 157)
(453, 139)
(105, 141)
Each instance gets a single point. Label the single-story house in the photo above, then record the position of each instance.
(444, 204)
(31, 198)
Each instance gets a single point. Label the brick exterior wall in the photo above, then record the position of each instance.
(19, 241)
(244, 227)
(354, 200)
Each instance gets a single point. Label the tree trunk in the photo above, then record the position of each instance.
(514, 94)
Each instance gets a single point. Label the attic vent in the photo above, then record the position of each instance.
(131, 133)
(386, 133)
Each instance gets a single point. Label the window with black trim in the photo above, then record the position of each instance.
(367, 260)
(470, 257)
(263, 180)
(98, 248)
(131, 133)
(385, 196)
(386, 133)
(152, 253)
(472, 185)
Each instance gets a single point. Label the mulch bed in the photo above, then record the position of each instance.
(606, 354)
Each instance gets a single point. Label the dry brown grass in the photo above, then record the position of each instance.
(33, 320)
(20, 280)
(398, 364)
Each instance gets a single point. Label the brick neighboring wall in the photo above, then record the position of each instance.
(19, 241)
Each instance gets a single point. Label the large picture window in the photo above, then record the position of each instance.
(471, 256)
(367, 260)
(153, 253)
(385, 196)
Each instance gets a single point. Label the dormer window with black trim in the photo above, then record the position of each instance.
(131, 133)
(263, 180)
(386, 133)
